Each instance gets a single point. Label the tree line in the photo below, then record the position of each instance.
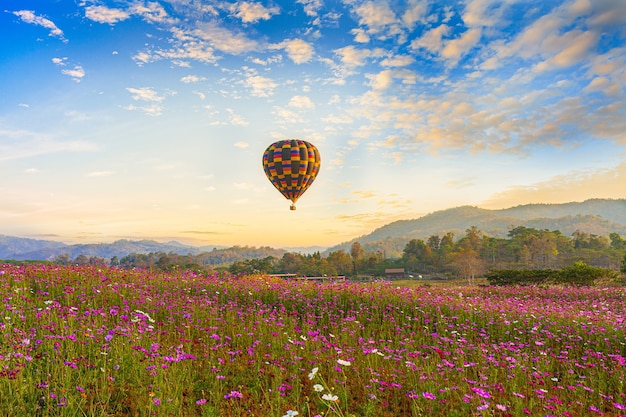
(470, 256)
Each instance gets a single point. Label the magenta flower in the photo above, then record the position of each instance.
(429, 395)
(481, 393)
(482, 407)
(233, 394)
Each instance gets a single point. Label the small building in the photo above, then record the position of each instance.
(395, 273)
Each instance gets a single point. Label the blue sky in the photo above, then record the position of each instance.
(148, 119)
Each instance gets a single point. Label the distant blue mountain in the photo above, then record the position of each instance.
(32, 249)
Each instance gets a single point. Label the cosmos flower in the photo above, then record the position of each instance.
(429, 395)
(330, 397)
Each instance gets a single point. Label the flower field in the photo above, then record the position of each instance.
(82, 341)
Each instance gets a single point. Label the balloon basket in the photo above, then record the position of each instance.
(292, 207)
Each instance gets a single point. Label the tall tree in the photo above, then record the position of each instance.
(468, 264)
(341, 261)
(357, 252)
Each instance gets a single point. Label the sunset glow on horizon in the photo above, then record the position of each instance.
(149, 119)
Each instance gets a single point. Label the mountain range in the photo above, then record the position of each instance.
(597, 216)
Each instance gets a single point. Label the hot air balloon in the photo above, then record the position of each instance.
(291, 166)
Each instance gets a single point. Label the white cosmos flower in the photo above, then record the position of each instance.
(318, 388)
(330, 397)
(313, 373)
(343, 363)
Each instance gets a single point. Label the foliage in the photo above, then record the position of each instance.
(596, 216)
(522, 276)
(582, 274)
(468, 257)
(579, 274)
(95, 341)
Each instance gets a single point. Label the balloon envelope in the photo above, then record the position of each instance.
(291, 166)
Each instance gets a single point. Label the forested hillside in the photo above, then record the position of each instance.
(598, 217)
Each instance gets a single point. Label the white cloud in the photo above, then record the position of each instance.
(286, 116)
(298, 50)
(250, 12)
(432, 40)
(77, 73)
(236, 119)
(260, 86)
(192, 79)
(561, 38)
(301, 102)
(270, 60)
(567, 50)
(397, 61)
(377, 16)
(219, 38)
(311, 7)
(145, 94)
(479, 13)
(152, 12)
(382, 80)
(241, 145)
(103, 14)
(28, 16)
(415, 12)
(353, 57)
(456, 48)
(151, 110)
(343, 119)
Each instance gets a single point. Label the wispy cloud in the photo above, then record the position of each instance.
(236, 119)
(251, 12)
(103, 14)
(298, 50)
(149, 95)
(77, 73)
(29, 16)
(260, 86)
(188, 79)
(26, 144)
(301, 102)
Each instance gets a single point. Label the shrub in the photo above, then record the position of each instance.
(581, 274)
(521, 276)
